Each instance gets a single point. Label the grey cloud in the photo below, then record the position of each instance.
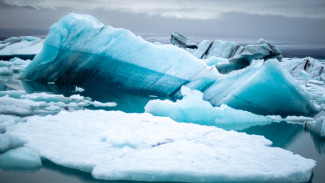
(188, 9)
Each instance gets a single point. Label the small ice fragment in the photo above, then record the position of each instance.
(5, 71)
(107, 104)
(76, 97)
(79, 89)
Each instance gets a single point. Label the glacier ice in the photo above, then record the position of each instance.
(130, 146)
(192, 108)
(80, 51)
(25, 45)
(262, 88)
(310, 75)
(314, 68)
(237, 55)
(22, 158)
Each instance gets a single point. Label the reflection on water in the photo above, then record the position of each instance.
(319, 144)
(281, 134)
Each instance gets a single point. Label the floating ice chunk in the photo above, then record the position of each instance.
(317, 127)
(100, 104)
(79, 89)
(222, 49)
(313, 67)
(21, 45)
(192, 108)
(142, 147)
(22, 158)
(259, 50)
(14, 65)
(5, 71)
(81, 51)
(262, 88)
(19, 103)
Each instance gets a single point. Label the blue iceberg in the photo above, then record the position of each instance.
(81, 51)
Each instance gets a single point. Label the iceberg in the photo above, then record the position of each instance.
(141, 147)
(310, 75)
(237, 55)
(262, 88)
(299, 68)
(192, 108)
(25, 47)
(80, 51)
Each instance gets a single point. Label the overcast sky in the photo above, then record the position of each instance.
(275, 20)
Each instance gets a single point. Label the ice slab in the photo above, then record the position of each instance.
(22, 158)
(81, 51)
(114, 145)
(26, 45)
(262, 88)
(192, 108)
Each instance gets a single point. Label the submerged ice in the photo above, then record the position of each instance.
(142, 147)
(81, 51)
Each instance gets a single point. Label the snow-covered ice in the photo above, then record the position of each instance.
(114, 145)
(192, 108)
(21, 45)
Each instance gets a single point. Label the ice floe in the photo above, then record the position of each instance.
(114, 145)
(192, 108)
